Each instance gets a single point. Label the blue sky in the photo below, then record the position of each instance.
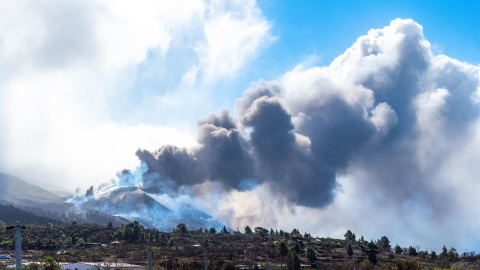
(327, 28)
(313, 33)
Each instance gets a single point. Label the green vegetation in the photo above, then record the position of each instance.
(349, 250)
(371, 250)
(349, 236)
(184, 249)
(398, 249)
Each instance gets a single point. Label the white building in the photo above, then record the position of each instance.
(100, 266)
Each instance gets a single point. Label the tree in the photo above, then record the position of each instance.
(261, 231)
(282, 250)
(371, 250)
(412, 251)
(182, 229)
(398, 249)
(433, 255)
(452, 254)
(248, 230)
(212, 230)
(311, 255)
(50, 263)
(302, 247)
(297, 248)
(384, 243)
(110, 225)
(293, 261)
(349, 250)
(134, 231)
(349, 236)
(444, 253)
(224, 230)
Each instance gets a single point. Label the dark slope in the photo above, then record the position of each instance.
(10, 214)
(34, 199)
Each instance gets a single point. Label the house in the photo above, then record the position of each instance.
(316, 241)
(99, 266)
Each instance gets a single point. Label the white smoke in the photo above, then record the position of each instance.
(383, 141)
(76, 79)
(401, 128)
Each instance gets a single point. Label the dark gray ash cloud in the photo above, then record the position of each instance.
(387, 114)
(223, 152)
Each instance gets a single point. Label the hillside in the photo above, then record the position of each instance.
(34, 199)
(19, 192)
(134, 203)
(184, 249)
(118, 204)
(10, 214)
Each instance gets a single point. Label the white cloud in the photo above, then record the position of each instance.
(399, 125)
(71, 105)
(231, 37)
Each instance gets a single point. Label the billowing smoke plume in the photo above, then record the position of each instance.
(395, 123)
(270, 153)
(223, 156)
(368, 108)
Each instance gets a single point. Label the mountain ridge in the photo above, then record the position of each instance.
(119, 204)
(18, 191)
(134, 203)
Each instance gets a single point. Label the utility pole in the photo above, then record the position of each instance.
(18, 243)
(149, 258)
(251, 261)
(267, 262)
